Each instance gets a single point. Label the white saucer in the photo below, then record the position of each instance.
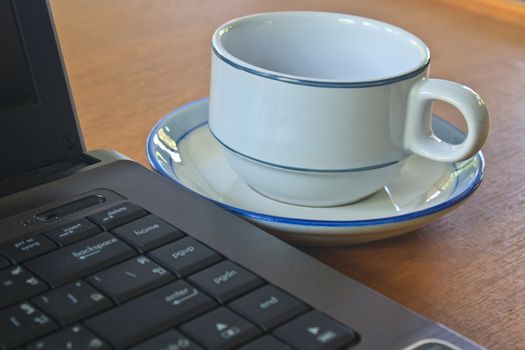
(181, 147)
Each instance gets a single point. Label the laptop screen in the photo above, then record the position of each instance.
(16, 85)
(38, 126)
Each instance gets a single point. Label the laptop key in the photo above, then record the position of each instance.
(17, 284)
(150, 314)
(221, 329)
(185, 256)
(27, 248)
(266, 343)
(74, 337)
(131, 278)
(225, 281)
(22, 323)
(73, 232)
(315, 331)
(147, 233)
(118, 215)
(170, 340)
(72, 302)
(80, 259)
(4, 263)
(268, 307)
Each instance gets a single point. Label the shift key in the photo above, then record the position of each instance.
(80, 259)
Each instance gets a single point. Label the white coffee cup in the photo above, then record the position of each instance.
(321, 109)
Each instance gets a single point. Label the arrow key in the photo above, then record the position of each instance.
(221, 329)
(316, 331)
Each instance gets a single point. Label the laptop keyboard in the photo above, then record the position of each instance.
(125, 279)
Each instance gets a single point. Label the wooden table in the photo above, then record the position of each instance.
(131, 61)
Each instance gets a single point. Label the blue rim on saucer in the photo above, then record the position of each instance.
(188, 121)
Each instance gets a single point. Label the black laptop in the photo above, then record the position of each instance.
(97, 252)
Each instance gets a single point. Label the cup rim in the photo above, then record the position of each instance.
(220, 52)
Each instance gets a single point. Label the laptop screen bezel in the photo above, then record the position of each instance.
(46, 132)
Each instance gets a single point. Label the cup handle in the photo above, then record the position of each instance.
(419, 137)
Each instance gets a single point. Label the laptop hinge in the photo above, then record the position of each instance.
(42, 175)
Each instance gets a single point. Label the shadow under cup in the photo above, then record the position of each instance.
(310, 107)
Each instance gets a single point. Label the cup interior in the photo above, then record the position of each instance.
(320, 46)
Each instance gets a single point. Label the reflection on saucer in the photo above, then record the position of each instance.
(181, 147)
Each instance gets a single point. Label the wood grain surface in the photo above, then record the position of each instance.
(132, 61)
